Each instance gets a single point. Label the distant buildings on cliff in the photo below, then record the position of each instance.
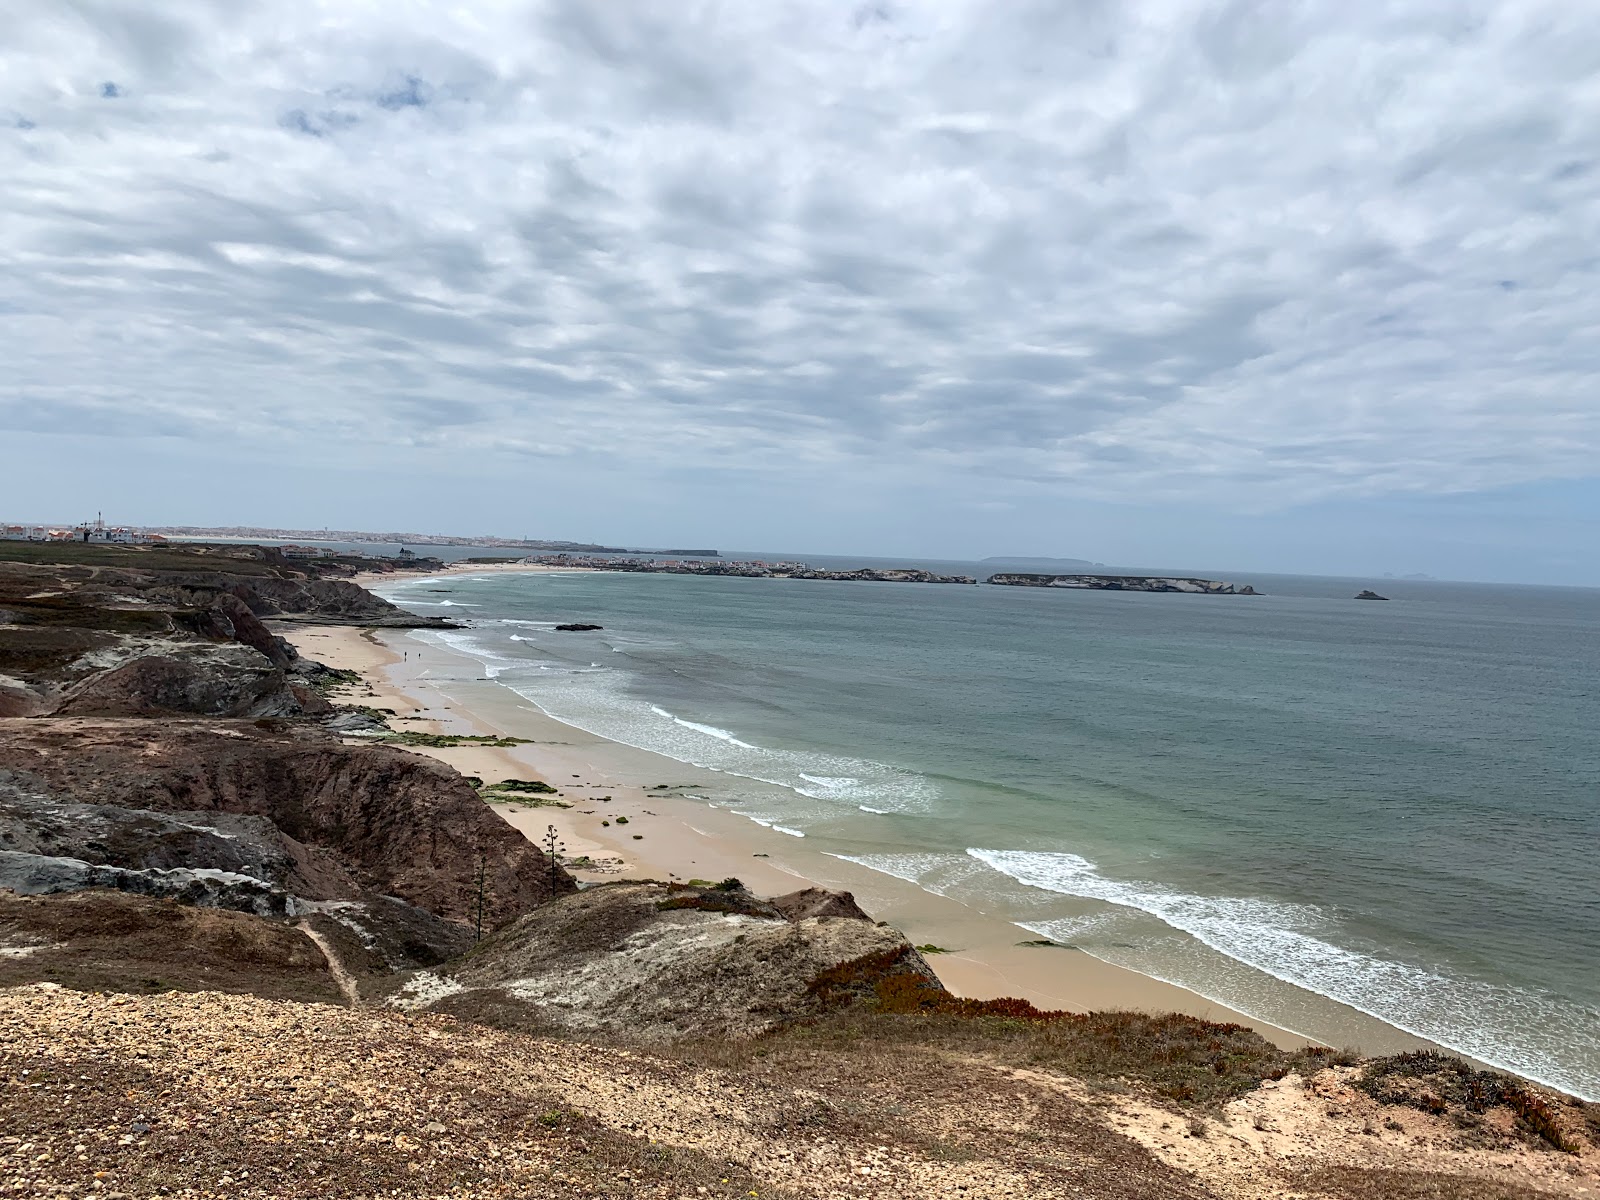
(86, 531)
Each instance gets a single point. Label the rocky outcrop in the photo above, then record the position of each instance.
(210, 680)
(1368, 594)
(37, 875)
(231, 619)
(354, 819)
(653, 961)
(810, 903)
(118, 642)
(34, 822)
(1125, 583)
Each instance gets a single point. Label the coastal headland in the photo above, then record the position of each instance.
(1124, 583)
(747, 569)
(291, 906)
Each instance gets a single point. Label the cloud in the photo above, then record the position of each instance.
(1231, 253)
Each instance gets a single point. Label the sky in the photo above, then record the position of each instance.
(1264, 285)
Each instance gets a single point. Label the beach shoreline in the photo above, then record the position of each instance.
(669, 836)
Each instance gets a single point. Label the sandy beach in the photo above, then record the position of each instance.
(628, 829)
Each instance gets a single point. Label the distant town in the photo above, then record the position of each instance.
(259, 533)
(578, 556)
(85, 531)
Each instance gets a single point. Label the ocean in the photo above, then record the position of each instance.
(1266, 799)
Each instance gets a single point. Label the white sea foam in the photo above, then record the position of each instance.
(1508, 1027)
(494, 665)
(600, 702)
(932, 872)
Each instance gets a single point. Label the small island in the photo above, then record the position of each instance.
(1369, 594)
(1126, 583)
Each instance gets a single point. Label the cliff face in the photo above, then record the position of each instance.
(146, 634)
(353, 817)
(158, 745)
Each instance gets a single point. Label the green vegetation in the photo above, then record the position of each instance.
(1439, 1084)
(930, 948)
(533, 792)
(234, 560)
(729, 896)
(376, 714)
(536, 786)
(330, 678)
(446, 740)
(523, 801)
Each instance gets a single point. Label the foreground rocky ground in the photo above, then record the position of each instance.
(241, 958)
(238, 1096)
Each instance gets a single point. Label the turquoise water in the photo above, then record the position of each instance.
(1393, 805)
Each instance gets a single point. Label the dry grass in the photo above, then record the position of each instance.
(1184, 1059)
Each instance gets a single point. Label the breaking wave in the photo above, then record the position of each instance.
(1508, 1027)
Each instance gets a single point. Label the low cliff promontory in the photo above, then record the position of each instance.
(1125, 583)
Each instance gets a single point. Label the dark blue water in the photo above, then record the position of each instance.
(1396, 805)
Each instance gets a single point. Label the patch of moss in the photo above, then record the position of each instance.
(446, 740)
(536, 786)
(330, 678)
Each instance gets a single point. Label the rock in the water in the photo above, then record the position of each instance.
(1367, 594)
(578, 627)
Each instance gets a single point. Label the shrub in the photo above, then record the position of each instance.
(1437, 1083)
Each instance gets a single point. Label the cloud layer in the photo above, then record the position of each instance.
(1130, 250)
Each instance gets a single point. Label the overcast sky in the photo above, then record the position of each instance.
(1271, 285)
